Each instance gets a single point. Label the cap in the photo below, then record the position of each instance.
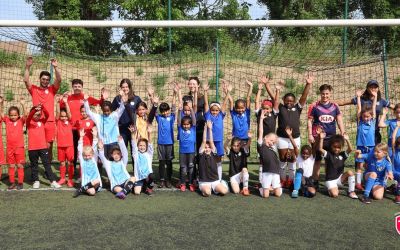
(372, 82)
(267, 103)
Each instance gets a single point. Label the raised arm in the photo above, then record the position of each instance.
(382, 118)
(57, 99)
(193, 115)
(249, 91)
(257, 101)
(278, 89)
(124, 150)
(289, 133)
(133, 131)
(206, 87)
(394, 137)
(375, 95)
(27, 80)
(349, 146)
(57, 80)
(265, 80)
(1, 108)
(204, 141)
(309, 81)
(95, 141)
(359, 94)
(227, 98)
(25, 111)
(65, 100)
(209, 126)
(342, 102)
(92, 116)
(322, 136)
(195, 100)
(30, 115)
(174, 94)
(45, 113)
(80, 145)
(153, 110)
(261, 127)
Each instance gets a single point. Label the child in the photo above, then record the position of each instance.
(396, 160)
(208, 169)
(15, 142)
(165, 139)
(240, 113)
(91, 180)
(366, 124)
(269, 161)
(65, 143)
(107, 123)
(141, 120)
(37, 145)
(187, 141)
(87, 125)
(216, 114)
(121, 182)
(305, 163)
(378, 169)
(391, 123)
(334, 165)
(238, 173)
(142, 155)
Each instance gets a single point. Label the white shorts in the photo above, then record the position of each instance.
(334, 183)
(269, 179)
(237, 178)
(285, 143)
(213, 185)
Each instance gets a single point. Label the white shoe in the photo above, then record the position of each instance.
(36, 185)
(54, 184)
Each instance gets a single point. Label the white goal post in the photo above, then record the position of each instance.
(201, 23)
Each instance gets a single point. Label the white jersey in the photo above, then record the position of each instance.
(89, 169)
(306, 165)
(143, 162)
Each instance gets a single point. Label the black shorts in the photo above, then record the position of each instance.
(308, 182)
(186, 159)
(318, 154)
(120, 185)
(165, 152)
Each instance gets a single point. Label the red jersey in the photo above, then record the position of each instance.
(44, 96)
(15, 132)
(36, 134)
(75, 102)
(64, 134)
(87, 125)
(2, 159)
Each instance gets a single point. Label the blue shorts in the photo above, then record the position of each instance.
(380, 182)
(139, 183)
(396, 175)
(364, 150)
(219, 145)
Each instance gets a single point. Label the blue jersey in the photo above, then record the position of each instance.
(142, 161)
(187, 140)
(391, 123)
(379, 167)
(89, 169)
(396, 160)
(218, 125)
(240, 124)
(165, 129)
(366, 133)
(382, 103)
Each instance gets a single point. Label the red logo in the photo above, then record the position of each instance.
(397, 223)
(326, 118)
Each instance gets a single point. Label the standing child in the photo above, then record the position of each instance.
(269, 161)
(378, 169)
(391, 123)
(215, 113)
(121, 182)
(37, 145)
(238, 173)
(187, 141)
(396, 160)
(15, 142)
(142, 155)
(208, 167)
(165, 140)
(305, 163)
(334, 165)
(366, 124)
(87, 125)
(91, 180)
(65, 143)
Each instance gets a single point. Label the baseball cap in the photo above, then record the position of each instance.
(372, 82)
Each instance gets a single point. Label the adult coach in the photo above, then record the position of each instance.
(366, 101)
(44, 95)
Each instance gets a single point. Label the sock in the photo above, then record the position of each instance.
(246, 180)
(291, 167)
(260, 173)
(150, 181)
(358, 178)
(11, 174)
(128, 187)
(219, 166)
(297, 180)
(352, 183)
(282, 171)
(21, 175)
(369, 184)
(86, 187)
(161, 170)
(63, 170)
(261, 191)
(71, 172)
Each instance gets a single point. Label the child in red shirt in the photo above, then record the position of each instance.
(15, 143)
(65, 143)
(37, 145)
(86, 124)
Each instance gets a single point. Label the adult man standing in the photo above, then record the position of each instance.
(44, 95)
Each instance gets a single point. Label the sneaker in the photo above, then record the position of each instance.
(162, 184)
(78, 180)
(182, 187)
(192, 187)
(149, 191)
(397, 199)
(62, 181)
(20, 186)
(36, 185)
(365, 200)
(12, 186)
(359, 187)
(245, 192)
(353, 195)
(120, 195)
(295, 193)
(70, 183)
(54, 184)
(76, 193)
(168, 184)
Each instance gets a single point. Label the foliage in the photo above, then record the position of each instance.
(99, 75)
(64, 87)
(7, 58)
(194, 72)
(139, 71)
(9, 95)
(183, 74)
(159, 80)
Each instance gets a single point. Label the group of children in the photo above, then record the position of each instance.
(278, 145)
